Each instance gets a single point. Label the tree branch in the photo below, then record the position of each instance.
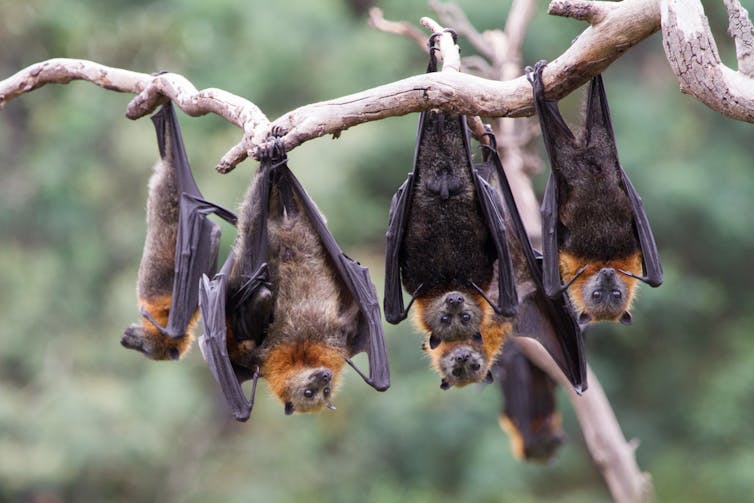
(624, 26)
(693, 56)
(742, 31)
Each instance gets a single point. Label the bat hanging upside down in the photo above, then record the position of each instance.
(595, 232)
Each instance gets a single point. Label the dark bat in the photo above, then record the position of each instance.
(595, 232)
(529, 414)
(446, 244)
(551, 321)
(289, 306)
(181, 245)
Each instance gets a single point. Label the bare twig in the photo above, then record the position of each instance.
(402, 28)
(452, 15)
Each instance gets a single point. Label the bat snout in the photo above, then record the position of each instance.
(454, 300)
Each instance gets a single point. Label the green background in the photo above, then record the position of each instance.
(82, 419)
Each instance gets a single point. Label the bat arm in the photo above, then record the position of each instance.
(404, 314)
(498, 309)
(252, 283)
(653, 282)
(562, 288)
(160, 328)
(366, 378)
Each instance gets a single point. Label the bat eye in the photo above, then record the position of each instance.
(326, 392)
(617, 294)
(445, 320)
(596, 295)
(475, 367)
(465, 317)
(308, 393)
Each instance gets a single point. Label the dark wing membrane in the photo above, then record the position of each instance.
(552, 283)
(493, 216)
(214, 342)
(198, 238)
(398, 219)
(550, 321)
(529, 404)
(649, 254)
(555, 131)
(251, 269)
(369, 336)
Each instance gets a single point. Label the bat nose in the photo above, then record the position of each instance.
(462, 357)
(454, 299)
(608, 272)
(323, 376)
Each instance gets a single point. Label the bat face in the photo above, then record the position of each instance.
(603, 292)
(460, 363)
(450, 317)
(543, 441)
(153, 344)
(309, 390)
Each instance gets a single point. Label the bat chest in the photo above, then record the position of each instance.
(596, 221)
(447, 243)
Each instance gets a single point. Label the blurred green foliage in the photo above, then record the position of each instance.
(82, 419)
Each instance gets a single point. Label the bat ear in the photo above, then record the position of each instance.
(477, 338)
(174, 353)
(444, 384)
(488, 378)
(289, 408)
(625, 318)
(434, 341)
(584, 319)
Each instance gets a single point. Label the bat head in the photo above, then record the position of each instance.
(606, 296)
(453, 316)
(460, 363)
(540, 440)
(153, 344)
(309, 390)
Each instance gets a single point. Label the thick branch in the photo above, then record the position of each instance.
(742, 31)
(692, 54)
(628, 23)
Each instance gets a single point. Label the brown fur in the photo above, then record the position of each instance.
(423, 307)
(570, 264)
(311, 319)
(550, 430)
(287, 365)
(157, 268)
(493, 330)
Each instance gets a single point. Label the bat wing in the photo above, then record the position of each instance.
(198, 237)
(649, 254)
(529, 406)
(552, 283)
(493, 214)
(549, 320)
(369, 337)
(214, 342)
(393, 302)
(557, 136)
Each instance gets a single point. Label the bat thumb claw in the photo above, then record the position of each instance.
(331, 406)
